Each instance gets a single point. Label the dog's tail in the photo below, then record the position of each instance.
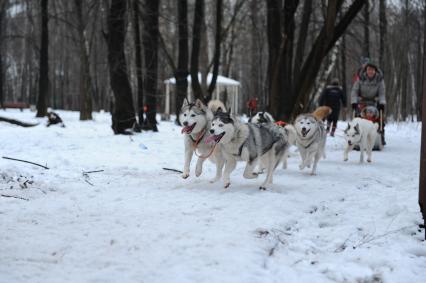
(322, 112)
(215, 105)
(291, 134)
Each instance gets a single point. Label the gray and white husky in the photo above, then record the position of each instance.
(360, 132)
(249, 143)
(196, 119)
(265, 118)
(310, 140)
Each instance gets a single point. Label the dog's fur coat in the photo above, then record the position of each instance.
(360, 132)
(249, 143)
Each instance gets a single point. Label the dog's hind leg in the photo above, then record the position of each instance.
(370, 144)
(248, 171)
(362, 148)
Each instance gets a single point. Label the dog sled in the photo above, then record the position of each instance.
(372, 114)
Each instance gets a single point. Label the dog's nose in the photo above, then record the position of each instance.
(304, 129)
(211, 131)
(349, 142)
(185, 123)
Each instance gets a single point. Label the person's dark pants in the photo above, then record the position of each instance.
(332, 121)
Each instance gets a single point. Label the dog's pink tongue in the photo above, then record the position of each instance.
(185, 129)
(210, 139)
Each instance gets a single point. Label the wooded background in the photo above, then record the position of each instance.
(114, 55)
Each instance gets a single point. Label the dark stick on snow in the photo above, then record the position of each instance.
(4, 157)
(89, 183)
(16, 122)
(97, 171)
(174, 170)
(8, 196)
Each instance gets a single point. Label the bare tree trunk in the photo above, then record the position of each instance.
(366, 43)
(43, 90)
(138, 60)
(196, 40)
(422, 179)
(218, 41)
(2, 17)
(123, 116)
(183, 55)
(85, 78)
(383, 24)
(150, 42)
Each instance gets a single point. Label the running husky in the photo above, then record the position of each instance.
(249, 143)
(310, 140)
(263, 118)
(360, 132)
(196, 119)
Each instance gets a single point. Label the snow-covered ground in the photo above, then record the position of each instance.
(135, 222)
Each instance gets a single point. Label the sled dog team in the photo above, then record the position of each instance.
(211, 132)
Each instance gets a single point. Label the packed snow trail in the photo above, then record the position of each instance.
(135, 222)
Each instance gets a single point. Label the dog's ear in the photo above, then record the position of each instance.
(357, 128)
(185, 102)
(218, 110)
(347, 129)
(199, 103)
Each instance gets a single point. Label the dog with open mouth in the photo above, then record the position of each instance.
(247, 142)
(310, 140)
(196, 119)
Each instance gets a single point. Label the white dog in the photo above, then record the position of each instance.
(360, 132)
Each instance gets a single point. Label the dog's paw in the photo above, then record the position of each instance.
(214, 180)
(345, 159)
(313, 173)
(226, 185)
(369, 160)
(198, 172)
(301, 166)
(262, 188)
(185, 175)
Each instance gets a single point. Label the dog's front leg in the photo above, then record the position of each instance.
(188, 156)
(316, 159)
(229, 167)
(303, 156)
(199, 166)
(347, 150)
(219, 166)
(248, 171)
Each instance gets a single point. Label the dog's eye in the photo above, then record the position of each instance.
(212, 124)
(184, 115)
(221, 125)
(192, 115)
(353, 136)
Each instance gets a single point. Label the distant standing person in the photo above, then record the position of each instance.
(333, 96)
(252, 105)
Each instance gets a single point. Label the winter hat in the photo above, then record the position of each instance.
(335, 81)
(364, 60)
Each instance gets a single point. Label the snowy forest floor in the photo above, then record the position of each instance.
(135, 222)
